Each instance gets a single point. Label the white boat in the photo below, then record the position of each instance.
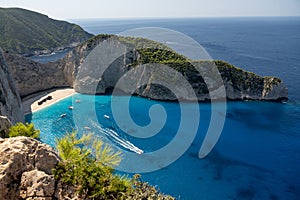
(87, 128)
(106, 116)
(63, 115)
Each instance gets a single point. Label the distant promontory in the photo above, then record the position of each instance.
(29, 33)
(32, 77)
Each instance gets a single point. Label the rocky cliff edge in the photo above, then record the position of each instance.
(26, 171)
(10, 103)
(116, 56)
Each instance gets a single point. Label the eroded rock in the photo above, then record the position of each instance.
(98, 64)
(25, 169)
(37, 184)
(10, 102)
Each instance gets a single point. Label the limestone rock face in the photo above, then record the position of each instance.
(98, 64)
(10, 103)
(242, 85)
(5, 124)
(32, 77)
(103, 67)
(37, 184)
(93, 72)
(273, 89)
(25, 169)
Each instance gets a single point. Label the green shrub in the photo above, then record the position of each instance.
(20, 129)
(142, 190)
(90, 173)
(88, 165)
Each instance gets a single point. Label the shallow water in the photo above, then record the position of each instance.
(257, 155)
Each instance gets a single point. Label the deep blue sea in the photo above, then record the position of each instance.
(258, 153)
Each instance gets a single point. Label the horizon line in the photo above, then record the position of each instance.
(149, 17)
(182, 17)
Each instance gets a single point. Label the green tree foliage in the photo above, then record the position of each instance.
(21, 129)
(142, 190)
(149, 51)
(88, 165)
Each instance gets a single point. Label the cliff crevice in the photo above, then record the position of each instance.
(10, 102)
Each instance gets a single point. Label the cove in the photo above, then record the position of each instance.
(255, 157)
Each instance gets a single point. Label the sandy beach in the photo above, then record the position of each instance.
(46, 98)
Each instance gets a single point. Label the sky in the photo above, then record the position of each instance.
(86, 9)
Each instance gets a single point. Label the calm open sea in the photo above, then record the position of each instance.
(257, 156)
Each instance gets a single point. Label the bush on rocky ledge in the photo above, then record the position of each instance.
(27, 130)
(88, 165)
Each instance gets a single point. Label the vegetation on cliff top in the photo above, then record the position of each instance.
(155, 52)
(150, 51)
(23, 31)
(142, 51)
(240, 77)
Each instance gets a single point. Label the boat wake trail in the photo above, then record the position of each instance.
(113, 135)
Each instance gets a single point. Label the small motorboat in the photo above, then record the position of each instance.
(63, 115)
(71, 107)
(87, 128)
(106, 116)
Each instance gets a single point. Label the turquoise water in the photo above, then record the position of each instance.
(257, 156)
(263, 45)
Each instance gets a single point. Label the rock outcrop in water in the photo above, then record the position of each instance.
(10, 103)
(118, 55)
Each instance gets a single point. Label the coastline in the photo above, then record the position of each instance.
(31, 103)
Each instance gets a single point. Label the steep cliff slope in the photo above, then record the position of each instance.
(116, 56)
(24, 32)
(99, 63)
(10, 103)
(32, 77)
